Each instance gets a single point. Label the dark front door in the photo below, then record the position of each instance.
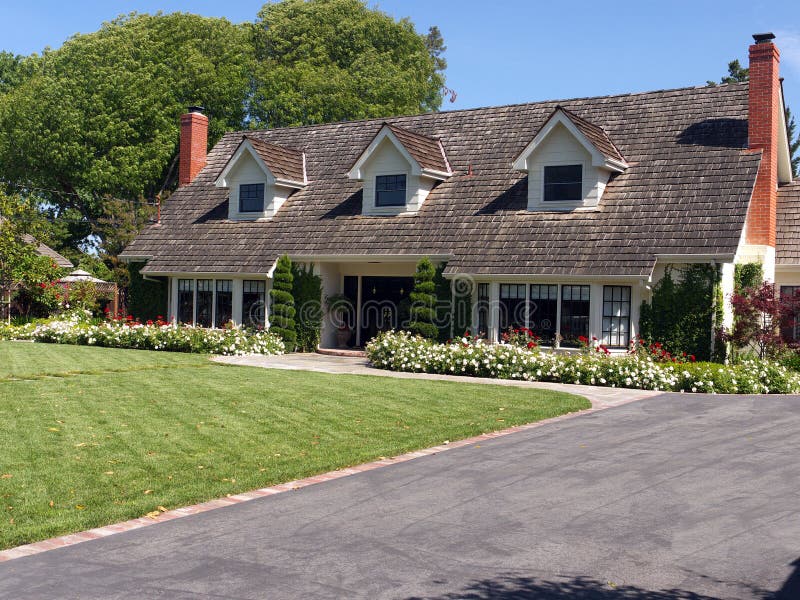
(384, 304)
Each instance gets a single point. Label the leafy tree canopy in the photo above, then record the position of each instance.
(328, 60)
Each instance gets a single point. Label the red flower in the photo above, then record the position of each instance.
(531, 345)
(594, 339)
(42, 285)
(583, 339)
(149, 321)
(692, 357)
(466, 333)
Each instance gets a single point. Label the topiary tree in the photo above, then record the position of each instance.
(307, 292)
(423, 301)
(282, 310)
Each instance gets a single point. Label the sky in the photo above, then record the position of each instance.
(504, 52)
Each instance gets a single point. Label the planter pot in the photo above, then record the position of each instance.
(342, 337)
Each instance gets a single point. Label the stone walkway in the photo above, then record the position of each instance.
(600, 397)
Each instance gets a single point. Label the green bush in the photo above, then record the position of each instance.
(146, 299)
(307, 292)
(282, 310)
(681, 313)
(423, 301)
(747, 275)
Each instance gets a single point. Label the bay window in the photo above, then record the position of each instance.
(543, 311)
(512, 306)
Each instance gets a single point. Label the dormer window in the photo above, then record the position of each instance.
(390, 190)
(563, 183)
(399, 168)
(251, 198)
(569, 163)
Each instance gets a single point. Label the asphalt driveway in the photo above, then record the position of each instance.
(669, 497)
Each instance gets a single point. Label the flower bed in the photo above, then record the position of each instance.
(400, 351)
(148, 336)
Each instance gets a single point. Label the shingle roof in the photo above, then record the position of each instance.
(284, 163)
(596, 135)
(686, 191)
(44, 250)
(428, 152)
(787, 247)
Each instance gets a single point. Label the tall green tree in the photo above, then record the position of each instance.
(423, 301)
(330, 60)
(739, 74)
(282, 310)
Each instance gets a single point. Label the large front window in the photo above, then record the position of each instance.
(390, 190)
(186, 300)
(224, 302)
(543, 311)
(574, 313)
(483, 309)
(254, 303)
(616, 315)
(205, 302)
(251, 197)
(512, 306)
(563, 183)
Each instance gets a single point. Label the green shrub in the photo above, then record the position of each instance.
(307, 292)
(747, 276)
(147, 299)
(423, 301)
(282, 310)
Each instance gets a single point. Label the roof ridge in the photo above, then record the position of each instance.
(710, 88)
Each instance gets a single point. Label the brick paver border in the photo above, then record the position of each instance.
(101, 532)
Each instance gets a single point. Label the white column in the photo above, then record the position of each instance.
(494, 312)
(236, 299)
(358, 312)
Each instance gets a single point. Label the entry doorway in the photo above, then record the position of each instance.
(384, 304)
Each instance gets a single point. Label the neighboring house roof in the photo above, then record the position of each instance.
(787, 246)
(80, 275)
(285, 163)
(685, 192)
(44, 250)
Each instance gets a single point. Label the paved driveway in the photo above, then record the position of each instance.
(669, 497)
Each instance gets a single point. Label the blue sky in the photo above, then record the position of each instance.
(511, 51)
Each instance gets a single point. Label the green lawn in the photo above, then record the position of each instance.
(92, 436)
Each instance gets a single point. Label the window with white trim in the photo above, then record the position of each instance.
(543, 311)
(483, 309)
(616, 316)
(575, 307)
(390, 190)
(205, 303)
(512, 306)
(185, 301)
(254, 303)
(563, 183)
(251, 197)
(223, 303)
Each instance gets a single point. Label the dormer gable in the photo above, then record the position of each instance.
(261, 176)
(399, 168)
(569, 162)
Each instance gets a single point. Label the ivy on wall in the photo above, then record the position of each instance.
(147, 299)
(682, 311)
(747, 275)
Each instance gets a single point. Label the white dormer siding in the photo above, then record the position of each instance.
(560, 148)
(566, 139)
(247, 167)
(248, 171)
(387, 160)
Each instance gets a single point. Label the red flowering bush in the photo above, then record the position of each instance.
(656, 352)
(521, 337)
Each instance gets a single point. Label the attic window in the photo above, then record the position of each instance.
(251, 197)
(390, 190)
(563, 183)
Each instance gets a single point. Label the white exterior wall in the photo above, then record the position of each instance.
(387, 160)
(561, 148)
(245, 171)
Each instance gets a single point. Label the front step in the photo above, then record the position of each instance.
(342, 352)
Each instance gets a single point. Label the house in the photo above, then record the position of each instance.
(559, 215)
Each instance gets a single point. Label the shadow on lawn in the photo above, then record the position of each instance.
(514, 587)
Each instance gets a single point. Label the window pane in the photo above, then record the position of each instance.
(790, 325)
(205, 299)
(574, 313)
(512, 306)
(251, 197)
(186, 300)
(616, 315)
(563, 183)
(542, 311)
(390, 190)
(224, 308)
(253, 303)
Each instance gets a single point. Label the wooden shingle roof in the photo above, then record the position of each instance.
(284, 163)
(686, 191)
(787, 246)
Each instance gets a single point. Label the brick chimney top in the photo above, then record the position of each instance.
(193, 145)
(763, 38)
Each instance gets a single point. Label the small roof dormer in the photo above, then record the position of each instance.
(593, 138)
(425, 154)
(281, 165)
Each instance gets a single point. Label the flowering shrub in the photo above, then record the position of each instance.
(400, 351)
(159, 335)
(520, 336)
(656, 352)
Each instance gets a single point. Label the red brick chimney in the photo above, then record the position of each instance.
(194, 144)
(764, 118)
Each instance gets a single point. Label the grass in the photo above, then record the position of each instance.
(92, 436)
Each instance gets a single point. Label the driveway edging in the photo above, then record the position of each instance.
(138, 523)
